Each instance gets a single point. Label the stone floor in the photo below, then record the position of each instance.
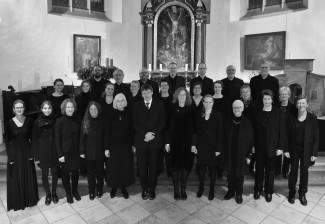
(164, 209)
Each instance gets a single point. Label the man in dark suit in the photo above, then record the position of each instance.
(97, 82)
(119, 86)
(231, 84)
(207, 87)
(264, 81)
(144, 78)
(174, 80)
(148, 122)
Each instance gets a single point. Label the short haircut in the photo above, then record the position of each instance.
(164, 80)
(285, 88)
(64, 105)
(146, 87)
(18, 101)
(301, 97)
(267, 92)
(220, 82)
(47, 102)
(188, 100)
(98, 66)
(57, 80)
(117, 97)
(136, 82)
(198, 83)
(118, 71)
(203, 63)
(172, 63)
(238, 102)
(245, 86)
(144, 70)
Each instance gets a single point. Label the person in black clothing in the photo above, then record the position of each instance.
(231, 84)
(290, 112)
(97, 82)
(118, 147)
(144, 78)
(174, 80)
(269, 142)
(119, 86)
(302, 150)
(239, 140)
(264, 81)
(197, 97)
(106, 101)
(22, 190)
(44, 151)
(221, 102)
(207, 143)
(57, 98)
(179, 131)
(67, 145)
(91, 148)
(207, 83)
(135, 94)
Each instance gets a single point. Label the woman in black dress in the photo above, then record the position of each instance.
(207, 143)
(22, 188)
(92, 148)
(57, 98)
(303, 148)
(44, 150)
(118, 147)
(84, 98)
(67, 145)
(197, 98)
(221, 103)
(178, 140)
(106, 102)
(269, 143)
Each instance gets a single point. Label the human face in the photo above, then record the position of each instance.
(197, 90)
(246, 93)
(147, 95)
(202, 69)
(173, 69)
(19, 109)
(231, 71)
(134, 88)
(208, 103)
(144, 76)
(217, 88)
(164, 87)
(109, 90)
(93, 111)
(58, 87)
(120, 103)
(284, 96)
(85, 87)
(302, 105)
(69, 109)
(182, 97)
(46, 110)
(267, 101)
(264, 69)
(98, 71)
(118, 77)
(237, 109)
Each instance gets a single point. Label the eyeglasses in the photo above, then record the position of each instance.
(237, 108)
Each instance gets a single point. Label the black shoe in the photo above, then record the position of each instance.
(303, 200)
(291, 200)
(92, 196)
(124, 193)
(113, 193)
(183, 194)
(48, 198)
(257, 195)
(211, 194)
(55, 198)
(228, 196)
(152, 194)
(69, 198)
(268, 197)
(76, 195)
(144, 194)
(177, 196)
(239, 199)
(200, 192)
(99, 193)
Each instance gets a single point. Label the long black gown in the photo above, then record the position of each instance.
(22, 188)
(119, 140)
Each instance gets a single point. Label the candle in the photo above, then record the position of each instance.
(107, 62)
(197, 67)
(89, 63)
(111, 63)
(160, 67)
(149, 68)
(186, 67)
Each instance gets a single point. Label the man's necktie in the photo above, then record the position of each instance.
(147, 105)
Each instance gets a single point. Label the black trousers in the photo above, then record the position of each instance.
(147, 162)
(212, 171)
(264, 173)
(45, 178)
(297, 157)
(282, 165)
(252, 163)
(95, 174)
(235, 184)
(66, 179)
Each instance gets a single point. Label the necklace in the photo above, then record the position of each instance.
(236, 122)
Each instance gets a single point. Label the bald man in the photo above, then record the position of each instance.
(238, 145)
(231, 84)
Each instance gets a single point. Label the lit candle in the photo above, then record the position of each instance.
(197, 67)
(160, 67)
(186, 67)
(107, 62)
(149, 68)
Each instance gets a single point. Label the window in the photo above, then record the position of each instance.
(97, 5)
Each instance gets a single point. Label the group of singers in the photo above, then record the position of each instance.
(224, 124)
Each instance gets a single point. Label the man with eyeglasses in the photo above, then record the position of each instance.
(207, 87)
(264, 81)
(231, 84)
(97, 82)
(173, 79)
(144, 78)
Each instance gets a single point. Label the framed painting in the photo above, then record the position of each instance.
(265, 47)
(86, 51)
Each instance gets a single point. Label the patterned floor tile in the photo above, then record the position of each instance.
(59, 212)
(133, 214)
(210, 214)
(95, 213)
(288, 215)
(249, 214)
(171, 214)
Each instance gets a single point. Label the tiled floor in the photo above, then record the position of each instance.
(165, 210)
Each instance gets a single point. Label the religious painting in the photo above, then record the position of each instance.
(174, 36)
(86, 51)
(266, 47)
